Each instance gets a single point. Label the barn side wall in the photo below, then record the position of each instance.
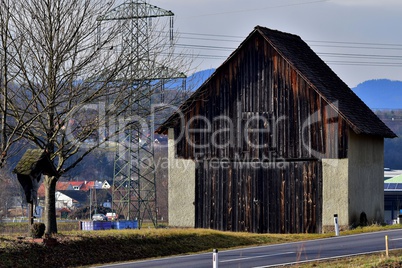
(366, 178)
(181, 192)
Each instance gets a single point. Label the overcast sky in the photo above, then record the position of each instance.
(359, 39)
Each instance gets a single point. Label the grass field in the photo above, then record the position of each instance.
(84, 248)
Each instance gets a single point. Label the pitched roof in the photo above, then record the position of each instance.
(396, 179)
(28, 161)
(317, 73)
(79, 196)
(350, 107)
(88, 185)
(35, 160)
(77, 183)
(60, 186)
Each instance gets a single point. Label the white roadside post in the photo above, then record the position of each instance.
(215, 258)
(336, 224)
(386, 246)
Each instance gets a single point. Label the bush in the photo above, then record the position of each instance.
(38, 229)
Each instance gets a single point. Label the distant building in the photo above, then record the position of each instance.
(392, 198)
(73, 194)
(71, 199)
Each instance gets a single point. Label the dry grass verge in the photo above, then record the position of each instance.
(83, 248)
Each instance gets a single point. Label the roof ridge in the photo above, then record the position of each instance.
(360, 118)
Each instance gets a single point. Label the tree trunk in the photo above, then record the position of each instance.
(50, 204)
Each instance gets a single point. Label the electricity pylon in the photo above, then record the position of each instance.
(134, 185)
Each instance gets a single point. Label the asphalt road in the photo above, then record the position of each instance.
(281, 254)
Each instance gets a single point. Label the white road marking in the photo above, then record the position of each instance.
(319, 259)
(260, 256)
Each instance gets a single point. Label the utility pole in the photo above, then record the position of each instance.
(134, 185)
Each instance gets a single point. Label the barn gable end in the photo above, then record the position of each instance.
(268, 134)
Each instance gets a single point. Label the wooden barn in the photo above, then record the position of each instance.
(274, 141)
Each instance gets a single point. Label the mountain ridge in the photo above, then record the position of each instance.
(380, 94)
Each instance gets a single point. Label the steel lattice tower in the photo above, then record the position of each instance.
(134, 186)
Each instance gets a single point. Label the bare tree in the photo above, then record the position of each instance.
(65, 69)
(4, 72)
(8, 134)
(8, 192)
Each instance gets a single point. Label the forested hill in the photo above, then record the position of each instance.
(385, 98)
(392, 147)
(380, 94)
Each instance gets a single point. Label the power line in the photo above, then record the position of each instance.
(201, 36)
(362, 57)
(214, 35)
(365, 63)
(356, 43)
(204, 47)
(324, 54)
(258, 9)
(360, 47)
(328, 54)
(330, 62)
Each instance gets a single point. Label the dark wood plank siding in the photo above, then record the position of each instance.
(260, 90)
(239, 196)
(259, 109)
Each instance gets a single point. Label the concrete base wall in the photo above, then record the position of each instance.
(181, 188)
(335, 192)
(354, 185)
